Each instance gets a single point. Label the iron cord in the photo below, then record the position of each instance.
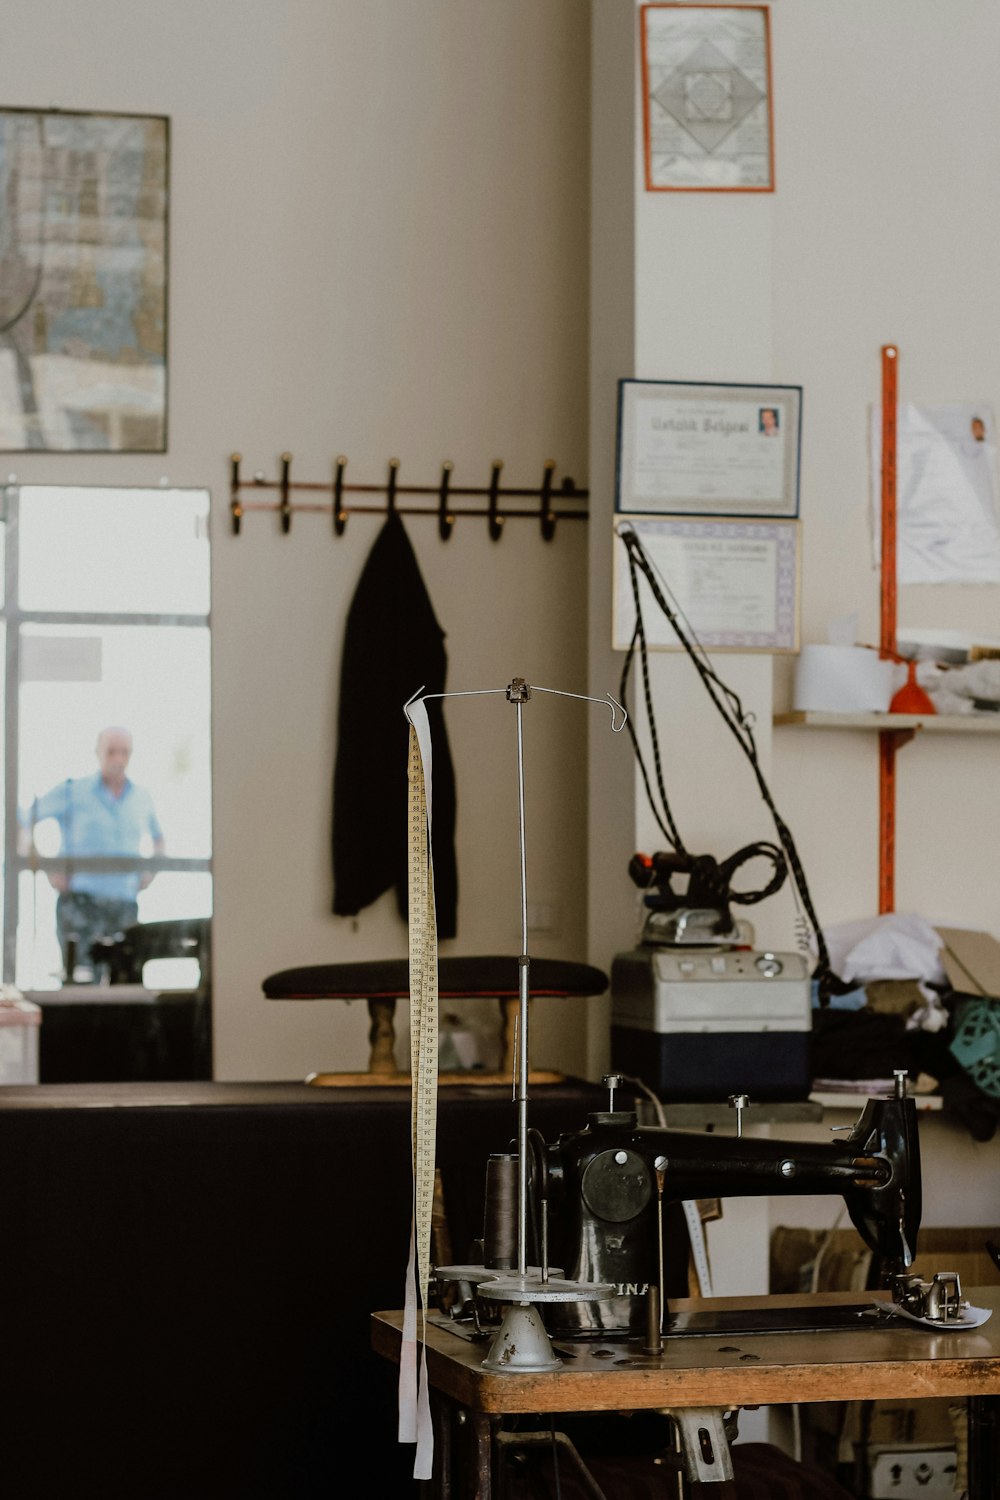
(740, 725)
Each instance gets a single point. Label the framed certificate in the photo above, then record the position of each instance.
(694, 449)
(734, 583)
(706, 96)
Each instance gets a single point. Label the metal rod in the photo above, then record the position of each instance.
(887, 638)
(890, 386)
(148, 864)
(521, 834)
(307, 507)
(11, 728)
(518, 492)
(522, 1072)
(518, 692)
(545, 1239)
(654, 1330)
(661, 1174)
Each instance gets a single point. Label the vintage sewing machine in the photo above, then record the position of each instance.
(599, 1197)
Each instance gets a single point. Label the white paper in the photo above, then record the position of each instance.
(719, 451)
(842, 680)
(733, 581)
(969, 1317)
(946, 494)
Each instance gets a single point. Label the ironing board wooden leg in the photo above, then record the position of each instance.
(382, 1036)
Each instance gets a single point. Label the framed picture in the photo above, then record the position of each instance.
(706, 95)
(83, 281)
(733, 582)
(708, 450)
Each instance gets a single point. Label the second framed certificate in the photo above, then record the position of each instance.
(708, 450)
(733, 583)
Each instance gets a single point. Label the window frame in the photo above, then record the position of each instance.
(14, 617)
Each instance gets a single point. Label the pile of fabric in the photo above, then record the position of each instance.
(905, 1012)
(967, 689)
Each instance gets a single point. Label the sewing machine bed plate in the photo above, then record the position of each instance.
(704, 1324)
(888, 1359)
(814, 1319)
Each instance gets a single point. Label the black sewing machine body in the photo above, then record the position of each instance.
(607, 1185)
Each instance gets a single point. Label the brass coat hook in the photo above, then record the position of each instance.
(339, 513)
(446, 521)
(285, 506)
(546, 514)
(444, 501)
(235, 507)
(494, 519)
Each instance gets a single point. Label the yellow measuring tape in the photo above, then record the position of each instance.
(414, 1403)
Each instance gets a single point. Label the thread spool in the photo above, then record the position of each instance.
(500, 1218)
(654, 1337)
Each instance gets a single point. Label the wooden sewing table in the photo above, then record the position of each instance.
(899, 1361)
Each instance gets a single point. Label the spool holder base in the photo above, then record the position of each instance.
(522, 1345)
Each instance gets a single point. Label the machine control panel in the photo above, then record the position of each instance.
(726, 989)
(732, 963)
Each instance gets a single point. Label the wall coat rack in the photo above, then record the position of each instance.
(446, 512)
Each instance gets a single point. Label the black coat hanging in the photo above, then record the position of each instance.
(393, 647)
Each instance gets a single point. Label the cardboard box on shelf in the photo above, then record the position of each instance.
(961, 1250)
(844, 1259)
(971, 960)
(807, 1259)
(892, 1424)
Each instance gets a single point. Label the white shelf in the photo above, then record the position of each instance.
(834, 1099)
(981, 723)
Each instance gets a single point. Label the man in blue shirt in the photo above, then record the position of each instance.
(105, 814)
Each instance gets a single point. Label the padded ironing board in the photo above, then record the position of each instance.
(381, 982)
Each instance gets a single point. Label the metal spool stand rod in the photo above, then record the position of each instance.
(523, 987)
(522, 1344)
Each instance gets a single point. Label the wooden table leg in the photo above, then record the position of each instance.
(984, 1446)
(442, 1410)
(482, 1455)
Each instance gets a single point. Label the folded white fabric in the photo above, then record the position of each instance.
(898, 945)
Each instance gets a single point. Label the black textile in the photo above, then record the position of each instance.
(858, 1044)
(870, 1044)
(393, 646)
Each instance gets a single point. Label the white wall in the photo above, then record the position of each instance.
(882, 229)
(693, 311)
(379, 244)
(888, 128)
